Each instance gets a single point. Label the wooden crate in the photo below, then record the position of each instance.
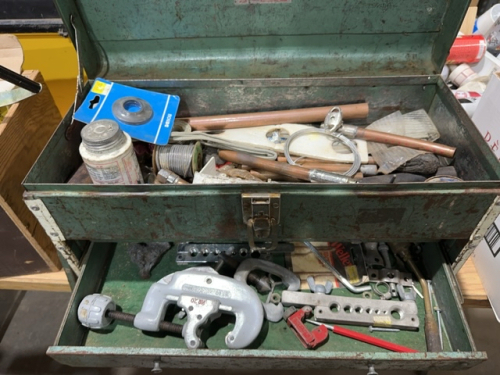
(25, 248)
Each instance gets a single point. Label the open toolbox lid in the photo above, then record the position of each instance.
(200, 39)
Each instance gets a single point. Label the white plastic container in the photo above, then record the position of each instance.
(462, 74)
(109, 155)
(488, 20)
(487, 66)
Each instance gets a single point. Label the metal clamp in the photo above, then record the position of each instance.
(309, 339)
(261, 214)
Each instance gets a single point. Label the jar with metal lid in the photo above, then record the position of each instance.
(109, 155)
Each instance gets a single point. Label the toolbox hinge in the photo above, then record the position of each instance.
(261, 214)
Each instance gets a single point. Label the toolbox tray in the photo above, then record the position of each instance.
(108, 270)
(323, 212)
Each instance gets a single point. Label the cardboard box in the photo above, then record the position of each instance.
(486, 256)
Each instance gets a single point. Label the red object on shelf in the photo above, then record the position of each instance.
(366, 338)
(467, 49)
(310, 339)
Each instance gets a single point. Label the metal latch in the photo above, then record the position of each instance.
(261, 214)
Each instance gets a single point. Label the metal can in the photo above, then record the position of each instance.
(468, 99)
(109, 155)
(467, 49)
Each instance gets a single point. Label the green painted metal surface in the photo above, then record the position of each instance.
(299, 38)
(225, 58)
(111, 272)
(202, 214)
(454, 320)
(415, 212)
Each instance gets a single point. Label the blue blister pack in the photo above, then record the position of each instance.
(145, 115)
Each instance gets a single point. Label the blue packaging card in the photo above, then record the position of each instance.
(98, 105)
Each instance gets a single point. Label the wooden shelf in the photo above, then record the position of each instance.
(472, 287)
(50, 281)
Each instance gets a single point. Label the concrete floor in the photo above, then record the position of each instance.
(34, 325)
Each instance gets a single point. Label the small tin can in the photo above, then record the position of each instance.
(467, 49)
(109, 155)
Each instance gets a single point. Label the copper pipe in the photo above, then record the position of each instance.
(248, 120)
(268, 165)
(400, 140)
(316, 175)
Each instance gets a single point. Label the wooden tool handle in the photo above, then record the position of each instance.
(247, 120)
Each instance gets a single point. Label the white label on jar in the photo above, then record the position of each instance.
(106, 173)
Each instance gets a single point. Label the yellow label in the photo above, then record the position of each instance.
(352, 274)
(100, 87)
(382, 321)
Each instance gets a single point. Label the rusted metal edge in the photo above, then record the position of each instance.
(281, 82)
(260, 359)
(477, 236)
(206, 190)
(44, 217)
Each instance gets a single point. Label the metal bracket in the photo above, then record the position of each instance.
(200, 253)
(261, 214)
(40, 211)
(390, 276)
(356, 311)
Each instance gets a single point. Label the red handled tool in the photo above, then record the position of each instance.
(295, 320)
(365, 338)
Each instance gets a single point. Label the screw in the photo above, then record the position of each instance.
(35, 208)
(156, 368)
(380, 329)
(371, 370)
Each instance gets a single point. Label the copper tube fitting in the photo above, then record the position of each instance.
(166, 176)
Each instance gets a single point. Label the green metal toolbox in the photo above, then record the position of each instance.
(233, 56)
